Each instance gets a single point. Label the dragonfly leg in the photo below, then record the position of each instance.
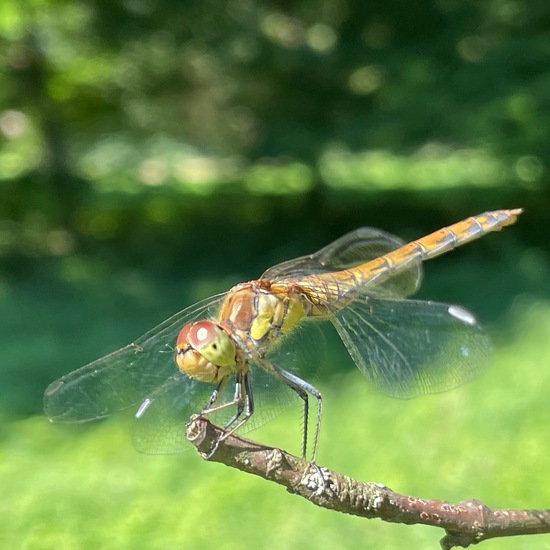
(245, 403)
(238, 399)
(303, 389)
(215, 394)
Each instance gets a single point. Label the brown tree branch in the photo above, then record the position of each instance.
(468, 522)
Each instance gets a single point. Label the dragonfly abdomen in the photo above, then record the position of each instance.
(461, 233)
(430, 246)
(338, 288)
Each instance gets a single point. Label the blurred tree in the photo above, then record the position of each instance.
(145, 91)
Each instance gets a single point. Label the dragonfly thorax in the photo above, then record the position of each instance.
(255, 314)
(205, 351)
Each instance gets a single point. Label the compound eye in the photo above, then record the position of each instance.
(182, 340)
(208, 339)
(203, 333)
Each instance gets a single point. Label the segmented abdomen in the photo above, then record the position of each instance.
(338, 287)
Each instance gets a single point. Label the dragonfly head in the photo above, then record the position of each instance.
(205, 351)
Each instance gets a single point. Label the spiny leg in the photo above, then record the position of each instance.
(246, 404)
(305, 398)
(238, 398)
(210, 408)
(302, 388)
(215, 395)
(244, 400)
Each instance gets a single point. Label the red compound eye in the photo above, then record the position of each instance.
(202, 333)
(182, 340)
(197, 335)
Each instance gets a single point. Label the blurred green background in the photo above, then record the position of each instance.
(154, 152)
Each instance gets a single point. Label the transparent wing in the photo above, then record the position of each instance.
(354, 248)
(407, 348)
(121, 379)
(159, 426)
(160, 422)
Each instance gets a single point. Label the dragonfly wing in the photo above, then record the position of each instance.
(407, 348)
(159, 426)
(121, 379)
(354, 248)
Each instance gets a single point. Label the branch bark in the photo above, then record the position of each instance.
(466, 523)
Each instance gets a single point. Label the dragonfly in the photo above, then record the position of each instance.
(235, 357)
